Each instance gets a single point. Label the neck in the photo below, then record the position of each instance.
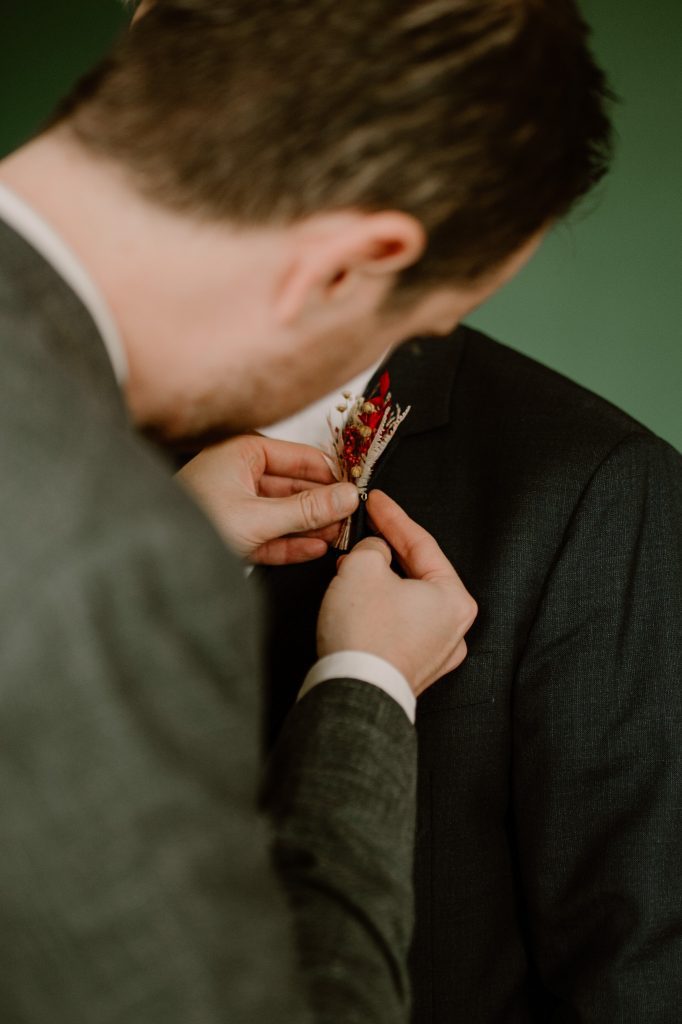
(148, 263)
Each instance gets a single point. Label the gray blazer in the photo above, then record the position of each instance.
(549, 839)
(136, 883)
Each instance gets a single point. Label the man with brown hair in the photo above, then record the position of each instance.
(549, 831)
(548, 823)
(243, 205)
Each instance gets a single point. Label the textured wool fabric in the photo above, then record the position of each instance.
(549, 839)
(136, 883)
(350, 741)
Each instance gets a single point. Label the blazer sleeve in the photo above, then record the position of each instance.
(340, 791)
(136, 878)
(597, 750)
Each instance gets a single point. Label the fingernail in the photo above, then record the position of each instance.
(344, 499)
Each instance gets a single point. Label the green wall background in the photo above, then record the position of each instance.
(600, 301)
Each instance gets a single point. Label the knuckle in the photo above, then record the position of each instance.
(472, 611)
(461, 653)
(466, 608)
(311, 516)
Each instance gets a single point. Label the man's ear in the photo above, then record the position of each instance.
(347, 259)
(141, 9)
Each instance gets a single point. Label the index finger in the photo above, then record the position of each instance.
(418, 552)
(300, 461)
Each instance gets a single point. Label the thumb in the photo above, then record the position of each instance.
(307, 511)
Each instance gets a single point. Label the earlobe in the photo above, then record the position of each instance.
(141, 10)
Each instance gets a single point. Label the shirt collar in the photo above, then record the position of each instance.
(27, 223)
(310, 426)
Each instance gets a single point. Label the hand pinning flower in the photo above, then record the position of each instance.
(370, 424)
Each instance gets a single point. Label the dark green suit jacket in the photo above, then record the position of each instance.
(549, 840)
(136, 882)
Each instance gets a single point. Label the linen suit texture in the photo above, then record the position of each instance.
(136, 881)
(549, 841)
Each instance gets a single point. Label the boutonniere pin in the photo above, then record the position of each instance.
(368, 425)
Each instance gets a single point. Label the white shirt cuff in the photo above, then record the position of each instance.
(367, 668)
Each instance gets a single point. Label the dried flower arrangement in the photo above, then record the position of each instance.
(370, 424)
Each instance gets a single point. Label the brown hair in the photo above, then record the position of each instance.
(484, 119)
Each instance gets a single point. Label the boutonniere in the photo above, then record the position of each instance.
(367, 427)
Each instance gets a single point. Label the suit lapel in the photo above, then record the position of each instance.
(422, 373)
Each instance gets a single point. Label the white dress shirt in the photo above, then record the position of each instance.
(308, 426)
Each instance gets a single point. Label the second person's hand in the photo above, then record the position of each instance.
(417, 624)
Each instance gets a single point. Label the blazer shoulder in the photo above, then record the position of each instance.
(531, 409)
